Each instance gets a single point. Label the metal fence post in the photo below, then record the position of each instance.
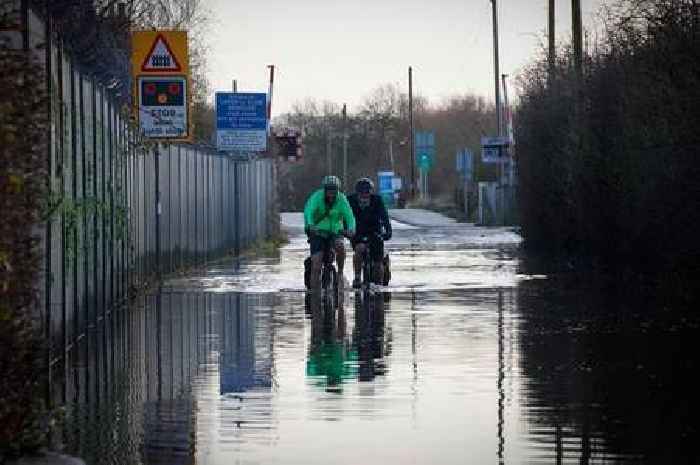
(170, 207)
(48, 226)
(179, 206)
(156, 152)
(237, 209)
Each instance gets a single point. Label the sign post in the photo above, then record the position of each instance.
(161, 74)
(465, 168)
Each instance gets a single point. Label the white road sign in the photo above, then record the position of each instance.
(494, 149)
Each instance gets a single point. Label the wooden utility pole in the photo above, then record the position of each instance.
(345, 146)
(497, 76)
(410, 123)
(329, 168)
(551, 38)
(272, 86)
(577, 28)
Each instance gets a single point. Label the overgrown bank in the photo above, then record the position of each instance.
(23, 123)
(608, 158)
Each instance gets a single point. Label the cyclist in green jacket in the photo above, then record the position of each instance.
(327, 214)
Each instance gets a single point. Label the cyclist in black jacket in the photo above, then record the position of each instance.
(372, 229)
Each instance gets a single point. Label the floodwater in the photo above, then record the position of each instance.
(472, 355)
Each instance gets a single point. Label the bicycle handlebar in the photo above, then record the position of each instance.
(329, 235)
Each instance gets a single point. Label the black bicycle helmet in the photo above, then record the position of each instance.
(364, 186)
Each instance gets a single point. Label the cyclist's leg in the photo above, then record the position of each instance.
(376, 254)
(317, 247)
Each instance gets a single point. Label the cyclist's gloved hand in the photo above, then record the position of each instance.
(386, 236)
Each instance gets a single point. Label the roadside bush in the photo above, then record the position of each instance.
(609, 159)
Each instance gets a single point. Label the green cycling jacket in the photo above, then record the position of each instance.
(339, 217)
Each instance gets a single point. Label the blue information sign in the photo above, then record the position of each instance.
(465, 164)
(241, 121)
(425, 150)
(386, 186)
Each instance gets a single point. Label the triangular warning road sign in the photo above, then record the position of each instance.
(161, 57)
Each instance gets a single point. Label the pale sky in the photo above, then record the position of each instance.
(341, 50)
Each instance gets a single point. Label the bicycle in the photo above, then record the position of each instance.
(368, 272)
(328, 273)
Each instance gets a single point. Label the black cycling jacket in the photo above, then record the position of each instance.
(369, 220)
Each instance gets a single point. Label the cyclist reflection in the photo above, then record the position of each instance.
(333, 358)
(330, 360)
(368, 337)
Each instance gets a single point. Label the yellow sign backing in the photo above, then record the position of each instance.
(161, 75)
(159, 52)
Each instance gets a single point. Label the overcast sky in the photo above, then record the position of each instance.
(341, 50)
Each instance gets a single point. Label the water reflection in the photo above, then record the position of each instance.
(246, 349)
(334, 357)
(331, 358)
(548, 371)
(369, 338)
(605, 372)
(134, 380)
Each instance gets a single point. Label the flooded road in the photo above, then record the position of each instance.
(472, 355)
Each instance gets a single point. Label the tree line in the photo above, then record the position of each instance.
(378, 138)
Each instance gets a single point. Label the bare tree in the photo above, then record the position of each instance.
(380, 126)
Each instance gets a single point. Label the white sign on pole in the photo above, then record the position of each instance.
(163, 106)
(494, 149)
(241, 140)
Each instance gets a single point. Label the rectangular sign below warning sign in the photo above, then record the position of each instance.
(162, 107)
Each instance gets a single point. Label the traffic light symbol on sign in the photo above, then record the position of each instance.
(162, 93)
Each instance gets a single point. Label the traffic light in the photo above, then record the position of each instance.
(290, 144)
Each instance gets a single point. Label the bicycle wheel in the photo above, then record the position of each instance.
(329, 283)
(325, 277)
(335, 289)
(366, 270)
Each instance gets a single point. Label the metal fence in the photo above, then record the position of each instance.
(106, 234)
(210, 205)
